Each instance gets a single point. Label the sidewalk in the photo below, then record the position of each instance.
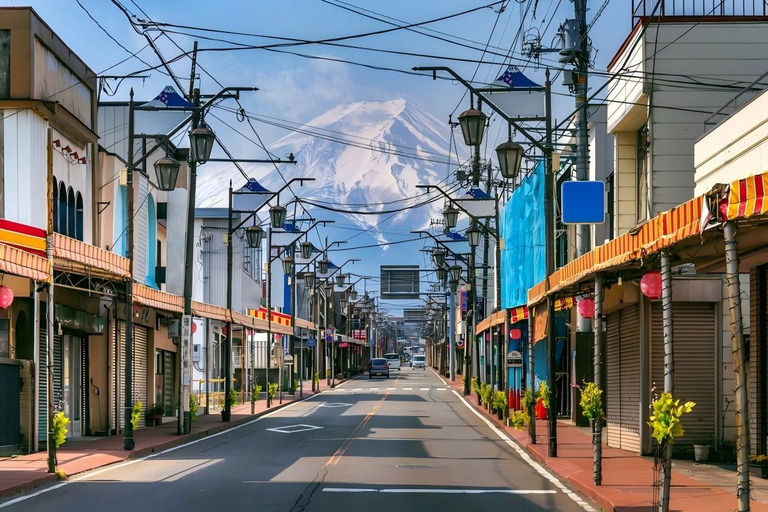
(25, 472)
(627, 477)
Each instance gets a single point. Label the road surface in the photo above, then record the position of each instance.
(407, 443)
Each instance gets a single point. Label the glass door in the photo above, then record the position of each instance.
(72, 378)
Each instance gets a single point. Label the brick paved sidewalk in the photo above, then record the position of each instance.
(627, 477)
(25, 472)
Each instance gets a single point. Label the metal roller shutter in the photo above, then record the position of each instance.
(139, 374)
(623, 379)
(694, 343)
(42, 375)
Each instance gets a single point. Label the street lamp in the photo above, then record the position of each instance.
(455, 272)
(277, 216)
(473, 234)
(441, 273)
(287, 265)
(323, 265)
(343, 303)
(438, 256)
(353, 294)
(454, 285)
(201, 143)
(167, 170)
(472, 123)
(451, 216)
(254, 236)
(341, 279)
(309, 280)
(306, 250)
(510, 155)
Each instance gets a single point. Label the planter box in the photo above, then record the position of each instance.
(759, 471)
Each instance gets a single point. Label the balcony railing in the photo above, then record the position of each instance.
(699, 8)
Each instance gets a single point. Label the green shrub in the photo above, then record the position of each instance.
(136, 414)
(519, 420)
(192, 408)
(295, 385)
(527, 400)
(544, 393)
(500, 400)
(232, 398)
(256, 393)
(591, 401)
(316, 379)
(60, 423)
(272, 390)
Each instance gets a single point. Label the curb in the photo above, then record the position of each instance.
(149, 450)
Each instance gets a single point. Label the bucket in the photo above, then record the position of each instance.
(701, 452)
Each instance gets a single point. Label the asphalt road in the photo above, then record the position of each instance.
(407, 443)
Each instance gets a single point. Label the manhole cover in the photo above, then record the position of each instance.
(414, 466)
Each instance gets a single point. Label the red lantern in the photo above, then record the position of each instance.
(223, 330)
(194, 327)
(515, 334)
(650, 285)
(586, 308)
(6, 297)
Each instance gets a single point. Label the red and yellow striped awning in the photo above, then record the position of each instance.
(25, 264)
(76, 256)
(662, 231)
(21, 236)
(518, 314)
(747, 197)
(277, 318)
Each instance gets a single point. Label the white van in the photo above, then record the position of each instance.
(393, 361)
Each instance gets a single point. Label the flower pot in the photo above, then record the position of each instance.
(500, 413)
(759, 470)
(541, 411)
(225, 416)
(701, 452)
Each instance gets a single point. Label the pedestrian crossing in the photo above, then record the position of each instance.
(378, 389)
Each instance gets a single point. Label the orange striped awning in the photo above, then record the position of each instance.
(483, 326)
(25, 264)
(664, 230)
(747, 197)
(518, 314)
(76, 256)
(209, 311)
(156, 299)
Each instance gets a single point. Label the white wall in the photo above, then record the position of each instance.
(25, 167)
(735, 149)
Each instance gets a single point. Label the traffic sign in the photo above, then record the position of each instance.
(311, 342)
(329, 339)
(329, 331)
(460, 343)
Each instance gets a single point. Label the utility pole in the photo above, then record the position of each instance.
(183, 420)
(128, 442)
(583, 238)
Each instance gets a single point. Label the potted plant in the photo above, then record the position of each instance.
(542, 401)
(477, 389)
(758, 465)
(136, 414)
(192, 408)
(500, 403)
(272, 390)
(256, 393)
(155, 415)
(519, 420)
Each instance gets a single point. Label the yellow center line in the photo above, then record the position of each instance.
(346, 444)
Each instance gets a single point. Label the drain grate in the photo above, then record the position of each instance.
(414, 466)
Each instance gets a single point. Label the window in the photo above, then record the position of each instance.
(609, 187)
(164, 380)
(55, 205)
(5, 64)
(79, 217)
(62, 208)
(70, 209)
(643, 143)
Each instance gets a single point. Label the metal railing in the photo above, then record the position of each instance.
(665, 8)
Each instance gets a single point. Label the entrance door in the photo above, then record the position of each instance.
(72, 379)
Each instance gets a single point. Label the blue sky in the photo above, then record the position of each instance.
(298, 89)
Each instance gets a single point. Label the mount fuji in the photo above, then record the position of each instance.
(366, 159)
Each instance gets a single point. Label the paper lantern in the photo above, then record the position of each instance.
(194, 327)
(650, 285)
(586, 308)
(6, 297)
(223, 330)
(515, 334)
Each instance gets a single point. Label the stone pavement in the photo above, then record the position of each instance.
(25, 472)
(627, 477)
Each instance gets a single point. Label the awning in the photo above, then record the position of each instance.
(305, 324)
(209, 311)
(20, 263)
(79, 257)
(156, 299)
(664, 230)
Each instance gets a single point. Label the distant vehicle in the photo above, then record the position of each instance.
(393, 361)
(419, 361)
(378, 367)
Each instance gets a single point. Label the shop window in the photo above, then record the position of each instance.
(79, 217)
(62, 208)
(164, 380)
(71, 218)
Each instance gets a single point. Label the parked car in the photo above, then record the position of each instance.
(393, 361)
(419, 361)
(378, 368)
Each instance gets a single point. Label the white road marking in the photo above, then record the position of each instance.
(391, 389)
(424, 389)
(440, 389)
(407, 389)
(442, 491)
(374, 389)
(527, 458)
(90, 474)
(357, 389)
(292, 429)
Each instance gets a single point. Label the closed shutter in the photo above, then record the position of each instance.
(693, 342)
(139, 373)
(623, 379)
(42, 376)
(57, 380)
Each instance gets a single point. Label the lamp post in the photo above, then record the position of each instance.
(546, 149)
(254, 236)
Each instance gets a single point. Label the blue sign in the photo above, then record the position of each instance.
(311, 342)
(329, 339)
(583, 202)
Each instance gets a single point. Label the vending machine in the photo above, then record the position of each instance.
(515, 379)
